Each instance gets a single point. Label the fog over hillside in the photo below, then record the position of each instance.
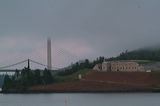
(79, 28)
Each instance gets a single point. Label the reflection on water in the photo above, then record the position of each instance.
(80, 99)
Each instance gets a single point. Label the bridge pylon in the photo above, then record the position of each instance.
(28, 63)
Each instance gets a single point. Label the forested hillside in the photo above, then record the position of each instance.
(141, 54)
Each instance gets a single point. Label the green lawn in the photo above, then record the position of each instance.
(71, 77)
(145, 61)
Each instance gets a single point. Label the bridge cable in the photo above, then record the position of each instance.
(7, 66)
(41, 64)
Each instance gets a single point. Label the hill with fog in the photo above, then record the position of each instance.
(151, 53)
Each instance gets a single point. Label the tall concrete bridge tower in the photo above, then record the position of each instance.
(49, 57)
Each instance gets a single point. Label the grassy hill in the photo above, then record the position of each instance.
(71, 77)
(106, 82)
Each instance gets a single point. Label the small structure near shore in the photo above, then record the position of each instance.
(122, 66)
(79, 76)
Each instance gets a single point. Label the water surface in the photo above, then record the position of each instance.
(80, 99)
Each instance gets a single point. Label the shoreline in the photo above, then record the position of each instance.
(99, 82)
(81, 91)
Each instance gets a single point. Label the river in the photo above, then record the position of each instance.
(81, 99)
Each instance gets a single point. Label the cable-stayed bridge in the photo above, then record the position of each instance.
(64, 54)
(7, 68)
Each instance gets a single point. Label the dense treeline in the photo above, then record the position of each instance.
(27, 78)
(85, 64)
(142, 54)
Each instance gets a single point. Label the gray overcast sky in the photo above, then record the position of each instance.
(79, 28)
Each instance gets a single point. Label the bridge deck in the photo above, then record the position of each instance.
(9, 70)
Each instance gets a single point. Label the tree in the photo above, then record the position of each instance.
(7, 82)
(47, 77)
(37, 77)
(27, 78)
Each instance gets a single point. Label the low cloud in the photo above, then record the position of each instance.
(79, 28)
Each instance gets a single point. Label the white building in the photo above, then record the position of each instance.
(97, 67)
(123, 66)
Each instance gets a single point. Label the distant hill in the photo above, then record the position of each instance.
(152, 53)
(148, 57)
